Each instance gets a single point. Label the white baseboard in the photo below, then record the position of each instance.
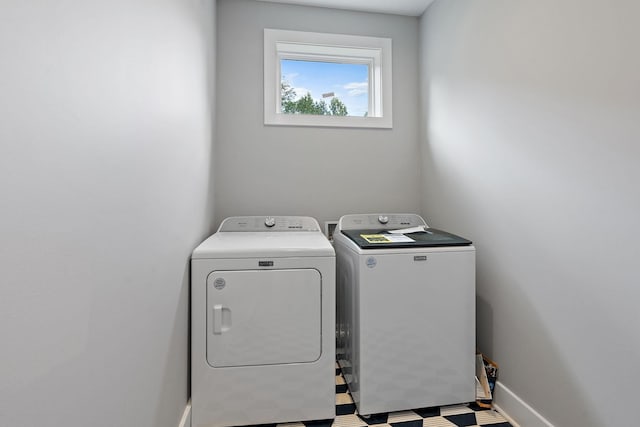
(516, 410)
(185, 421)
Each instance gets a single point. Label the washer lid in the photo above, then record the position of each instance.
(383, 239)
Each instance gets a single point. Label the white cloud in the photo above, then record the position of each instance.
(289, 77)
(357, 88)
(300, 92)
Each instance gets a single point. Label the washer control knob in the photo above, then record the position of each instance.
(383, 219)
(270, 221)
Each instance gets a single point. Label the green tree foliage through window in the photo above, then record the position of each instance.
(307, 105)
(337, 107)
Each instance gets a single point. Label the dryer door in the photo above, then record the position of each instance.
(263, 317)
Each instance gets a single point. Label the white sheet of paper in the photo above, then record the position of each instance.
(408, 230)
(398, 238)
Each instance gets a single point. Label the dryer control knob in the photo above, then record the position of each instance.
(383, 219)
(270, 221)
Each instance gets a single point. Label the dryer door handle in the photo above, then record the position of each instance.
(221, 319)
(217, 319)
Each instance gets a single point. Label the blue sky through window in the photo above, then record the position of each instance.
(349, 82)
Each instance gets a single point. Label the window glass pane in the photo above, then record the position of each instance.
(324, 88)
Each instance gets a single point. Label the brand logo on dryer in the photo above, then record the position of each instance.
(219, 283)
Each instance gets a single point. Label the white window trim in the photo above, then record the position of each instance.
(374, 51)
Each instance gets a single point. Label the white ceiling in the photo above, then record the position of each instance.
(397, 7)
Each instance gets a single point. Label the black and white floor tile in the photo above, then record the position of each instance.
(446, 416)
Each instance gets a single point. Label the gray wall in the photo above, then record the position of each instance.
(320, 172)
(530, 113)
(105, 163)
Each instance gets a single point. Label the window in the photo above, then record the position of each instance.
(317, 79)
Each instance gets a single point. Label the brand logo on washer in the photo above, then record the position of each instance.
(219, 283)
(371, 262)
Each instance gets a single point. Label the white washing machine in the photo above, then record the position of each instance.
(405, 314)
(263, 323)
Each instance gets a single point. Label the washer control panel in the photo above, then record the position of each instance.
(269, 223)
(381, 221)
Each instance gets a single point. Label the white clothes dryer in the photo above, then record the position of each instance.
(263, 323)
(406, 313)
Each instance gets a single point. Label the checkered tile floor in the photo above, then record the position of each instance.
(446, 416)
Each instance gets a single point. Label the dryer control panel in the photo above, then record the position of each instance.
(269, 223)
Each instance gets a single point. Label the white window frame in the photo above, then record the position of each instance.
(322, 47)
